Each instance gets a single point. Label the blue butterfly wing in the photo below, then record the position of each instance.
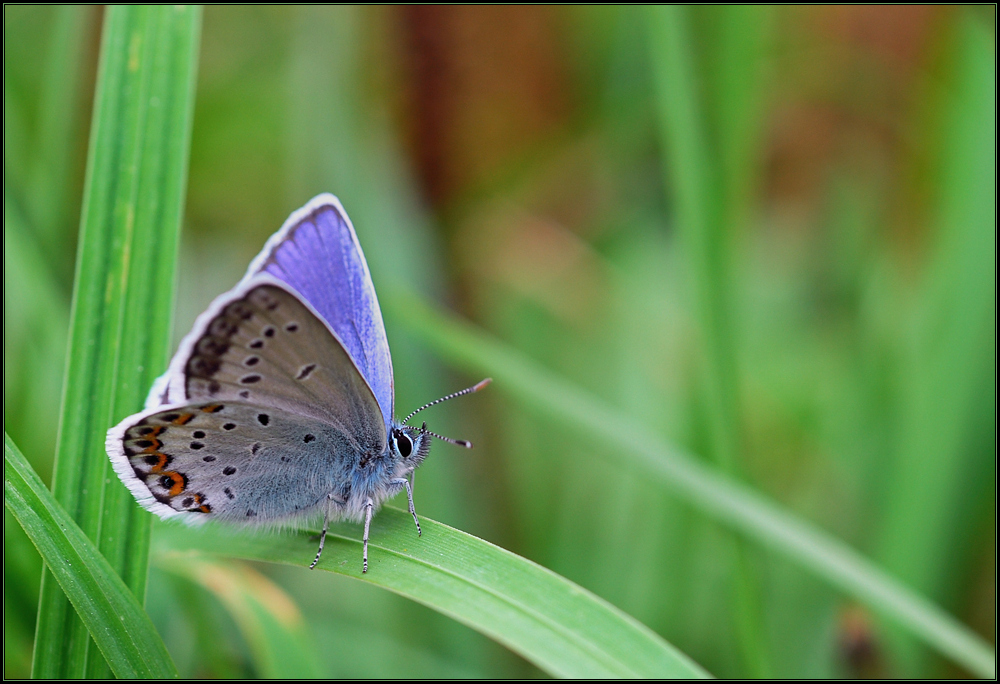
(279, 393)
(317, 253)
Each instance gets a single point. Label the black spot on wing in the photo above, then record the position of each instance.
(222, 328)
(264, 299)
(206, 360)
(239, 311)
(212, 346)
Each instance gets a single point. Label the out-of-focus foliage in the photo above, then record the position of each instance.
(816, 318)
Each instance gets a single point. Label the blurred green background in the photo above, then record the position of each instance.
(769, 236)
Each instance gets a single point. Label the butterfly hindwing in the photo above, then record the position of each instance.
(230, 461)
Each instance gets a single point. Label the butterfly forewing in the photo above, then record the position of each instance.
(266, 348)
(238, 462)
(317, 253)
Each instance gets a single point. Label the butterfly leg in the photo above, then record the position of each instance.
(322, 537)
(403, 482)
(369, 505)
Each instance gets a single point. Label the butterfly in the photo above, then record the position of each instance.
(278, 405)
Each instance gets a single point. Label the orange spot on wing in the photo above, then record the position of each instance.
(153, 448)
(212, 408)
(205, 508)
(183, 419)
(178, 482)
(159, 466)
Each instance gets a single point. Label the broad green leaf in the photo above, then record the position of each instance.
(560, 627)
(120, 627)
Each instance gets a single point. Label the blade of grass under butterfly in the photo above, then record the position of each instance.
(730, 503)
(122, 630)
(123, 294)
(560, 627)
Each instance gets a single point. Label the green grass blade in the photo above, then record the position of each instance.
(951, 346)
(703, 167)
(730, 503)
(36, 320)
(49, 194)
(121, 628)
(560, 627)
(123, 292)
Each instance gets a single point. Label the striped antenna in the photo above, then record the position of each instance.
(460, 442)
(468, 390)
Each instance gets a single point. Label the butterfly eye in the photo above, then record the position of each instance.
(404, 444)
